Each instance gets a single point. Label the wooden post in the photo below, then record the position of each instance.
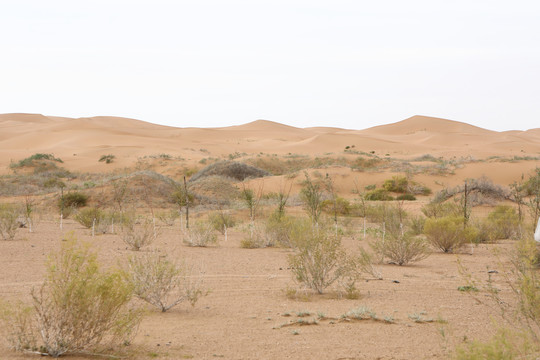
(187, 203)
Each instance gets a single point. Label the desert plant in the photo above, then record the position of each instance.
(200, 234)
(440, 209)
(8, 221)
(168, 217)
(161, 282)
(107, 159)
(312, 197)
(319, 259)
(448, 233)
(89, 217)
(378, 195)
(402, 249)
(137, 237)
(70, 201)
(407, 197)
(221, 221)
(505, 221)
(79, 308)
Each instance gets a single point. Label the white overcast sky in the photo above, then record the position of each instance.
(204, 63)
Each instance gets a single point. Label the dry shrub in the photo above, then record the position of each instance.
(8, 221)
(230, 169)
(319, 259)
(78, 309)
(200, 234)
(441, 209)
(138, 236)
(168, 217)
(161, 282)
(505, 221)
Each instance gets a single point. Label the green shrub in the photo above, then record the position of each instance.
(221, 220)
(30, 161)
(87, 216)
(73, 199)
(341, 206)
(447, 233)
(107, 158)
(402, 249)
(398, 184)
(8, 221)
(505, 221)
(378, 195)
(168, 217)
(78, 309)
(441, 209)
(406, 197)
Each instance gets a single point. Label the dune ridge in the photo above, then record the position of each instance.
(82, 140)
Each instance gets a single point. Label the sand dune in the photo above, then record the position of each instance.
(24, 134)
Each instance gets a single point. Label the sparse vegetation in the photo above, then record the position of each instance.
(138, 236)
(161, 282)
(78, 309)
(8, 221)
(448, 233)
(201, 234)
(107, 159)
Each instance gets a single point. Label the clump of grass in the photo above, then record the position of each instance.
(107, 159)
(9, 224)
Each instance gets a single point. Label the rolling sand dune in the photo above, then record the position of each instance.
(80, 142)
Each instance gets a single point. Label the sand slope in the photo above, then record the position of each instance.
(80, 142)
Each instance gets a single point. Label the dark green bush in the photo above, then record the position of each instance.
(407, 197)
(378, 195)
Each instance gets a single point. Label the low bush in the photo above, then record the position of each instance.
(168, 217)
(138, 236)
(402, 249)
(319, 259)
(90, 216)
(8, 221)
(505, 221)
(441, 209)
(72, 200)
(200, 234)
(161, 282)
(107, 159)
(406, 197)
(378, 195)
(221, 221)
(448, 234)
(341, 206)
(78, 309)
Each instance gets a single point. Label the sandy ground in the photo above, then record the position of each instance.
(243, 314)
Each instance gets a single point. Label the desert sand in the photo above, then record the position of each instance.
(243, 315)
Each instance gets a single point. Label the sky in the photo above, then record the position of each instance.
(209, 63)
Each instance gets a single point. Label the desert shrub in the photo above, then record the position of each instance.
(505, 221)
(403, 185)
(8, 221)
(441, 209)
(138, 236)
(107, 159)
(480, 191)
(311, 195)
(319, 259)
(380, 213)
(78, 309)
(258, 237)
(214, 188)
(221, 220)
(230, 169)
(87, 216)
(73, 199)
(402, 249)
(280, 228)
(416, 225)
(31, 160)
(398, 184)
(340, 206)
(200, 234)
(161, 282)
(505, 345)
(168, 217)
(406, 197)
(448, 233)
(378, 195)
